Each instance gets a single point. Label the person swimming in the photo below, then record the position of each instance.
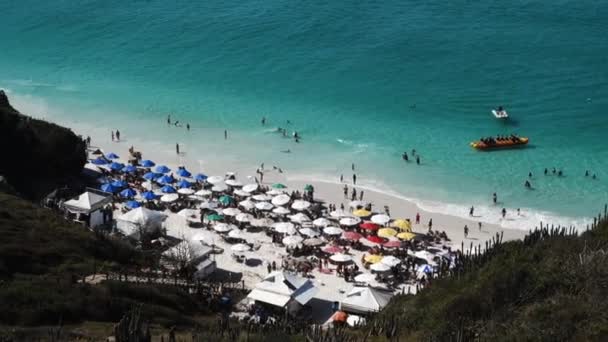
(286, 151)
(528, 185)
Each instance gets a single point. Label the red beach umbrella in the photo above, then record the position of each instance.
(353, 236)
(375, 239)
(392, 244)
(332, 249)
(369, 226)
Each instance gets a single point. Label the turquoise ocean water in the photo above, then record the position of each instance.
(360, 81)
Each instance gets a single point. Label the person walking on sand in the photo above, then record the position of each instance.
(417, 218)
(504, 212)
(430, 224)
(341, 178)
(494, 198)
(354, 179)
(117, 135)
(361, 196)
(466, 231)
(471, 211)
(177, 148)
(345, 191)
(479, 224)
(112, 135)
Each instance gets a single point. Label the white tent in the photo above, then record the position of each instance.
(280, 287)
(90, 204)
(365, 299)
(143, 218)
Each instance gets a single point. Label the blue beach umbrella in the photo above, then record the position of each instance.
(148, 195)
(162, 169)
(151, 176)
(100, 161)
(117, 166)
(165, 180)
(128, 193)
(183, 173)
(168, 189)
(108, 188)
(184, 184)
(200, 177)
(112, 155)
(147, 163)
(129, 169)
(133, 204)
(119, 183)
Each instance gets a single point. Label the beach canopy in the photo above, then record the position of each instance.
(341, 258)
(231, 212)
(200, 177)
(387, 232)
(148, 195)
(264, 206)
(165, 180)
(333, 231)
(292, 240)
(281, 200)
(406, 236)
(109, 188)
(133, 204)
(140, 218)
(182, 172)
(167, 189)
(279, 186)
(168, 198)
(215, 179)
(185, 191)
(250, 187)
(381, 219)
(112, 155)
(184, 184)
(225, 199)
(117, 166)
(147, 163)
(352, 236)
(100, 161)
(162, 169)
(129, 169)
(151, 176)
(300, 205)
(402, 224)
(281, 211)
(128, 193)
(240, 247)
(362, 213)
(281, 287)
(369, 226)
(363, 300)
(215, 217)
(119, 183)
(87, 202)
(350, 221)
(321, 222)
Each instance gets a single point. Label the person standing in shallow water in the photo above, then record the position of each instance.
(177, 148)
(225, 135)
(471, 211)
(354, 179)
(494, 198)
(504, 212)
(112, 135)
(188, 126)
(418, 160)
(466, 231)
(117, 135)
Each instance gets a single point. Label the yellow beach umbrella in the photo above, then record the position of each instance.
(373, 258)
(402, 224)
(387, 232)
(406, 236)
(362, 213)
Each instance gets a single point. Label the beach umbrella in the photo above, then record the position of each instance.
(365, 278)
(162, 169)
(108, 188)
(203, 193)
(362, 213)
(281, 200)
(243, 217)
(264, 206)
(150, 176)
(339, 213)
(182, 172)
(261, 197)
(185, 191)
(284, 228)
(165, 180)
(352, 236)
(119, 183)
(406, 236)
(247, 204)
(350, 221)
(225, 199)
(133, 204)
(275, 192)
(380, 267)
(129, 169)
(240, 248)
(341, 258)
(112, 155)
(200, 177)
(167, 189)
(250, 187)
(369, 226)
(241, 193)
(236, 234)
(233, 183)
(188, 213)
(309, 188)
(223, 227)
(331, 249)
(215, 180)
(390, 261)
(374, 239)
(357, 204)
(402, 224)
(279, 186)
(281, 211)
(300, 205)
(387, 232)
(312, 242)
(184, 184)
(128, 193)
(100, 161)
(219, 187)
(168, 198)
(321, 222)
(423, 255)
(263, 222)
(148, 195)
(292, 240)
(117, 166)
(372, 258)
(215, 217)
(147, 163)
(299, 218)
(231, 212)
(309, 232)
(392, 244)
(381, 219)
(333, 231)
(209, 205)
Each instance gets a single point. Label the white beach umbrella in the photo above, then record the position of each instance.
(240, 248)
(321, 222)
(261, 197)
(381, 219)
(340, 213)
(333, 231)
(247, 204)
(365, 278)
(275, 192)
(390, 261)
(215, 179)
(223, 227)
(195, 198)
(250, 187)
(241, 193)
(243, 217)
(204, 238)
(168, 198)
(219, 187)
(309, 232)
(300, 205)
(209, 205)
(380, 267)
(299, 218)
(281, 210)
(264, 206)
(188, 213)
(285, 228)
(233, 183)
(231, 211)
(350, 221)
(185, 191)
(236, 234)
(281, 200)
(203, 193)
(313, 242)
(341, 258)
(263, 222)
(424, 255)
(292, 240)
(356, 204)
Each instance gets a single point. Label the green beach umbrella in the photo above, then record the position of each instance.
(215, 217)
(226, 199)
(308, 187)
(279, 186)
